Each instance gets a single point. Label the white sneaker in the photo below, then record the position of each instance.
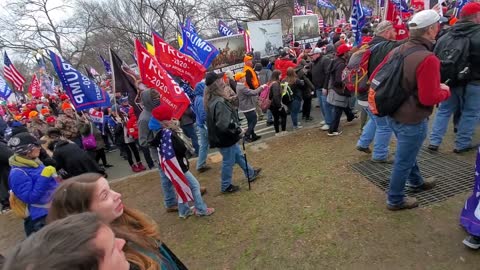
(322, 123)
(325, 127)
(297, 127)
(334, 133)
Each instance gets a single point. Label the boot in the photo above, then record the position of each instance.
(140, 166)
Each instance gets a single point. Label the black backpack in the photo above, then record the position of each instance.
(386, 94)
(454, 54)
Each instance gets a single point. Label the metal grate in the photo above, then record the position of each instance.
(453, 176)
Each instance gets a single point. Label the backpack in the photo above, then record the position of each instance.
(264, 99)
(355, 74)
(88, 141)
(454, 54)
(386, 94)
(287, 93)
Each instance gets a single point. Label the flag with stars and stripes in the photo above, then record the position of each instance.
(11, 73)
(470, 217)
(297, 9)
(171, 168)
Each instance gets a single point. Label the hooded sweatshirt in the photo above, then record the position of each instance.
(198, 106)
(144, 117)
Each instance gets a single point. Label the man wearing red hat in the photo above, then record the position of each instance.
(465, 84)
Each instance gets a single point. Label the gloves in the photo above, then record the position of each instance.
(48, 171)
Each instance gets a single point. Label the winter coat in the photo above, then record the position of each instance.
(132, 124)
(473, 31)
(275, 96)
(297, 89)
(30, 186)
(5, 154)
(337, 94)
(74, 160)
(264, 75)
(69, 126)
(145, 135)
(198, 106)
(247, 98)
(223, 123)
(309, 87)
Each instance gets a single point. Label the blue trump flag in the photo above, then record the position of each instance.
(202, 51)
(358, 20)
(368, 11)
(402, 5)
(326, 4)
(83, 92)
(224, 29)
(5, 90)
(189, 25)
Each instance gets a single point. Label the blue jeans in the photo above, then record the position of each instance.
(31, 226)
(319, 99)
(170, 196)
(202, 154)
(294, 110)
(409, 141)
(269, 116)
(378, 131)
(200, 206)
(468, 101)
(189, 130)
(232, 155)
(327, 109)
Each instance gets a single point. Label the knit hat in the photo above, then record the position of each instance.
(32, 114)
(162, 112)
(23, 143)
(247, 58)
(383, 26)
(66, 105)
(470, 9)
(343, 49)
(50, 119)
(45, 111)
(63, 97)
(240, 76)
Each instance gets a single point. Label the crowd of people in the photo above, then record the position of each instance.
(50, 153)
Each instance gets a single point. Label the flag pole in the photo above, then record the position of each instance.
(113, 80)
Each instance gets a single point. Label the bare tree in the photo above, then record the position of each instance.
(249, 10)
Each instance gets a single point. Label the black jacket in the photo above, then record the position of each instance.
(5, 154)
(473, 31)
(319, 72)
(74, 160)
(223, 123)
(335, 77)
(275, 96)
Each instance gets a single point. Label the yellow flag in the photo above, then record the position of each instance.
(150, 48)
(180, 41)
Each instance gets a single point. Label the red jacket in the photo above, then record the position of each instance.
(283, 64)
(132, 124)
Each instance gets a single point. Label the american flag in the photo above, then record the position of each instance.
(320, 23)
(172, 169)
(240, 28)
(297, 9)
(11, 73)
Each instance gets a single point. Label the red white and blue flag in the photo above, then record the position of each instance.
(11, 73)
(297, 9)
(171, 168)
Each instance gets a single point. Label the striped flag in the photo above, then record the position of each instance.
(297, 9)
(320, 23)
(246, 38)
(309, 10)
(172, 169)
(11, 73)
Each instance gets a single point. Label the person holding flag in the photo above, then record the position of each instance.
(173, 149)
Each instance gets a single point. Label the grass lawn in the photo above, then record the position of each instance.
(309, 210)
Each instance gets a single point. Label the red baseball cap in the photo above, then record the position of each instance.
(343, 49)
(162, 112)
(470, 9)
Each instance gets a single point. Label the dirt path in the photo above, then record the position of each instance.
(309, 210)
